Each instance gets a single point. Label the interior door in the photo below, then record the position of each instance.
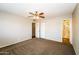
(33, 30)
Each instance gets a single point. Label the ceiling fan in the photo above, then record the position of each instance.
(37, 15)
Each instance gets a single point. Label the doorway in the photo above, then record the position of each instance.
(66, 31)
(33, 30)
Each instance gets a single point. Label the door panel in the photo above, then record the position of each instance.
(33, 30)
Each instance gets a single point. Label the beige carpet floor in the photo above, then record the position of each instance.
(38, 46)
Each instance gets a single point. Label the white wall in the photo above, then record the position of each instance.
(54, 28)
(42, 30)
(14, 29)
(75, 23)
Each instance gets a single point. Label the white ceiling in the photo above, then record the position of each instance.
(50, 9)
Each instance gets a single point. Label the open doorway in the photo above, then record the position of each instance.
(33, 30)
(66, 31)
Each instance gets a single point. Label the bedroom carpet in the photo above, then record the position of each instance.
(38, 46)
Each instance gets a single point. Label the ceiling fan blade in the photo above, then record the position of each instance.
(41, 13)
(30, 16)
(41, 16)
(31, 13)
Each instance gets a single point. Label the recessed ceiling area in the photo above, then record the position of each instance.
(50, 9)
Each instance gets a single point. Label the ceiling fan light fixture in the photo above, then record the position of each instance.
(35, 17)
